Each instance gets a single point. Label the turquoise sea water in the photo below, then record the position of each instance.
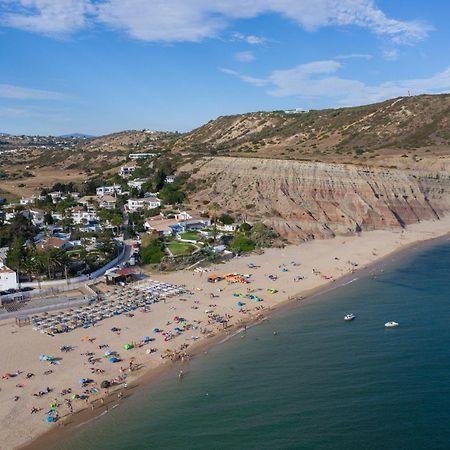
(321, 383)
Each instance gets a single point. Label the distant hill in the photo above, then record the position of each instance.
(5, 134)
(77, 136)
(404, 126)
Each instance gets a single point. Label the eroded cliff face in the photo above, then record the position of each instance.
(303, 200)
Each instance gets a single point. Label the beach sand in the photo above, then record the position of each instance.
(21, 347)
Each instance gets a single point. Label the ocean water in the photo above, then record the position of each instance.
(320, 383)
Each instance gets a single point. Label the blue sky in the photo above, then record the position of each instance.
(98, 66)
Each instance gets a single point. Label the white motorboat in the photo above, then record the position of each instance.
(349, 317)
(391, 324)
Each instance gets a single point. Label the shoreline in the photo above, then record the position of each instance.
(150, 375)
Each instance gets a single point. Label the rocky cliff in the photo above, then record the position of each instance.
(303, 200)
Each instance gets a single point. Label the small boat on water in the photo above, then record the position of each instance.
(391, 324)
(349, 317)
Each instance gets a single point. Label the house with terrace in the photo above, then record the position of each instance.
(180, 223)
(107, 202)
(137, 183)
(109, 190)
(135, 204)
(83, 216)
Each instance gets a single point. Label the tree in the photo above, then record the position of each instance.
(171, 195)
(242, 244)
(245, 227)
(226, 219)
(48, 218)
(152, 249)
(16, 254)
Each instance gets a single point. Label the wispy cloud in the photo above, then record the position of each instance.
(24, 93)
(366, 56)
(244, 56)
(318, 81)
(57, 17)
(390, 54)
(249, 39)
(247, 79)
(194, 20)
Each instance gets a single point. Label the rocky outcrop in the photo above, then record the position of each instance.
(304, 200)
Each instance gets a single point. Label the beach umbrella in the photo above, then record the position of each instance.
(105, 384)
(113, 359)
(127, 346)
(240, 304)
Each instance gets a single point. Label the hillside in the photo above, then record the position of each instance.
(304, 200)
(377, 134)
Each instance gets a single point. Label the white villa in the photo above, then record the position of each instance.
(137, 183)
(37, 217)
(135, 204)
(107, 202)
(126, 171)
(109, 190)
(79, 215)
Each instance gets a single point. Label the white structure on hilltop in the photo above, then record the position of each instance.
(296, 111)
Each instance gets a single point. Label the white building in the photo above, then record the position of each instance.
(296, 111)
(107, 202)
(135, 204)
(229, 228)
(37, 217)
(170, 179)
(57, 195)
(135, 156)
(79, 215)
(137, 183)
(8, 278)
(126, 171)
(27, 201)
(109, 190)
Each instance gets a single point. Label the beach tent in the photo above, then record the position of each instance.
(113, 359)
(127, 346)
(240, 303)
(105, 384)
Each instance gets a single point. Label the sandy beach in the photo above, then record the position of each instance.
(292, 272)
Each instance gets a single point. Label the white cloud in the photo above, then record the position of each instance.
(194, 20)
(390, 54)
(249, 39)
(366, 56)
(244, 56)
(318, 80)
(247, 79)
(45, 16)
(24, 93)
